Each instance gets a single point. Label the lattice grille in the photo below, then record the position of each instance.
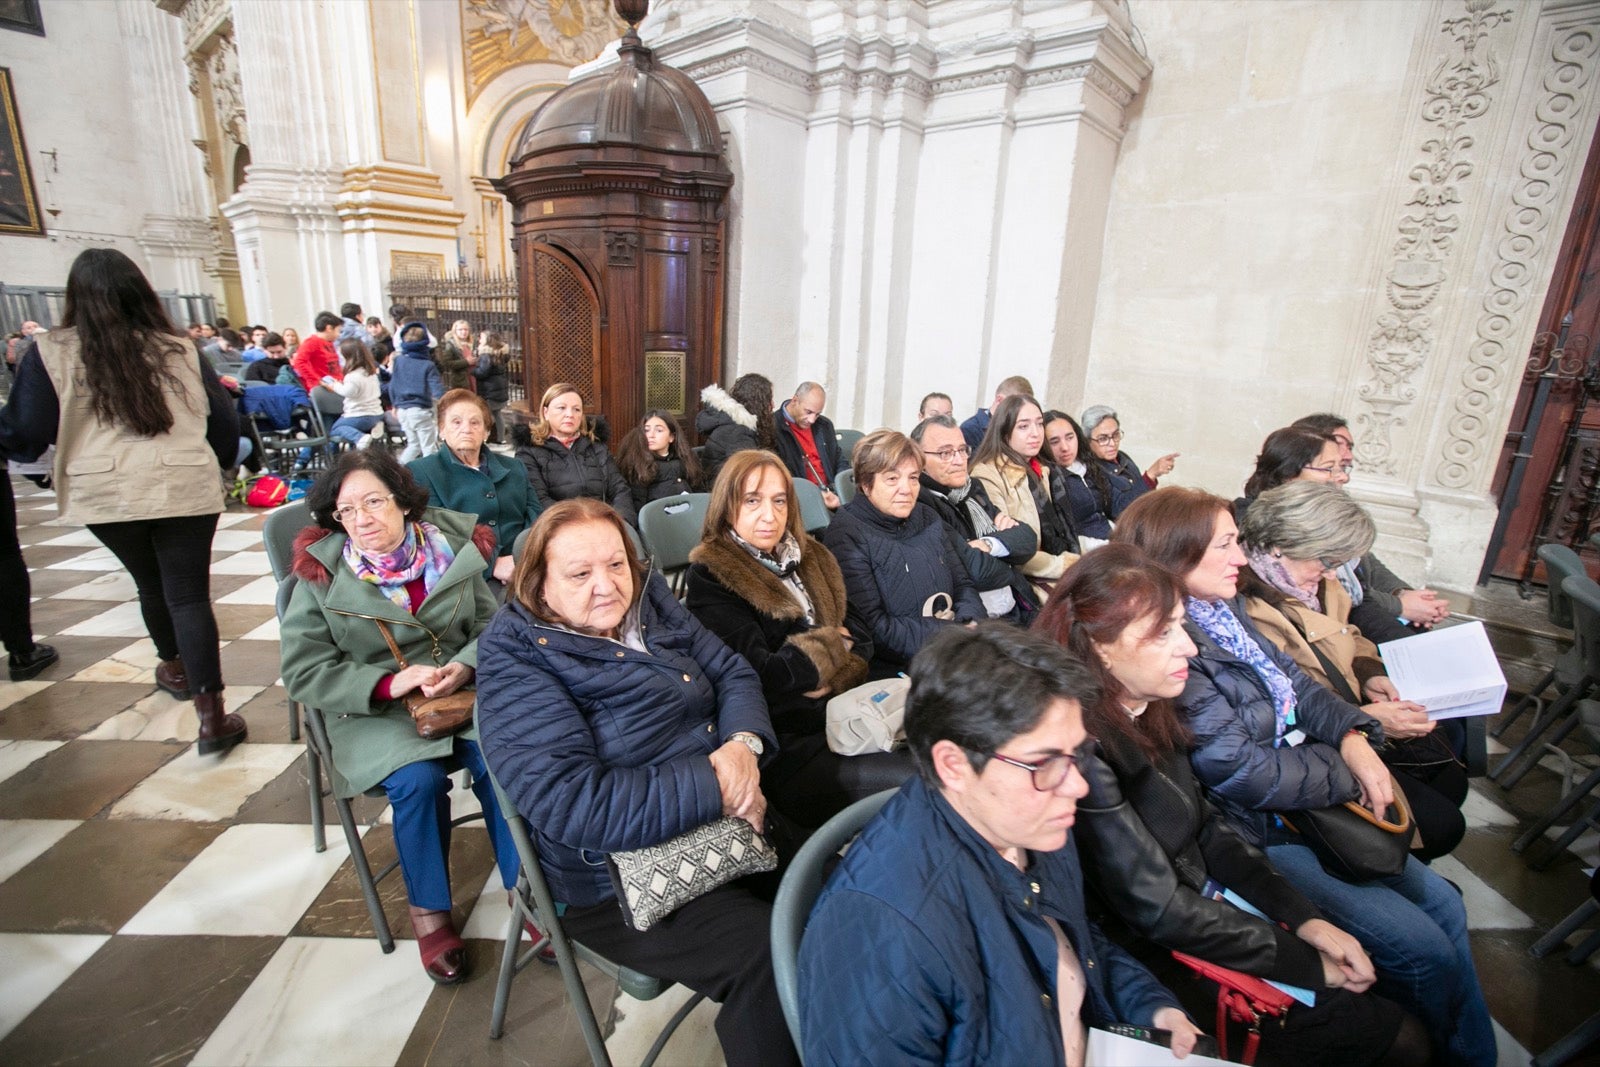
(563, 329)
(663, 381)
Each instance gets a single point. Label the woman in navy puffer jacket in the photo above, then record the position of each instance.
(615, 721)
(897, 556)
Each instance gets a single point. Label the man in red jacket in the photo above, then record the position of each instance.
(316, 355)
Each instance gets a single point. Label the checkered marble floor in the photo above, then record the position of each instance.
(160, 907)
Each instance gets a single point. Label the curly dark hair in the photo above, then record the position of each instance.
(323, 496)
(1283, 455)
(754, 394)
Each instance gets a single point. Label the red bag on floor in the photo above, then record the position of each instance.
(268, 491)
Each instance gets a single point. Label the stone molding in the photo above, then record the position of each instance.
(1405, 328)
(1525, 230)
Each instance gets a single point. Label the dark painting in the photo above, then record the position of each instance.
(19, 206)
(21, 15)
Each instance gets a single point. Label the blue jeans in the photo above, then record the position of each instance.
(419, 793)
(1414, 926)
(353, 428)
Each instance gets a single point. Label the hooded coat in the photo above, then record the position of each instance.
(725, 427)
(414, 380)
(334, 655)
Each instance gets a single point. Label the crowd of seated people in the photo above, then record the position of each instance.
(1039, 588)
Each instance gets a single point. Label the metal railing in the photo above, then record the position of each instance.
(486, 301)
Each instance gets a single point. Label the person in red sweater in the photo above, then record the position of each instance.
(316, 357)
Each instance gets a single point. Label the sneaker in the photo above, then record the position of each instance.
(366, 442)
(32, 664)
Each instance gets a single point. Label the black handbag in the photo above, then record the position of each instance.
(1354, 844)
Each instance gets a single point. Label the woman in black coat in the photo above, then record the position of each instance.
(732, 420)
(563, 459)
(775, 595)
(902, 566)
(655, 460)
(1158, 855)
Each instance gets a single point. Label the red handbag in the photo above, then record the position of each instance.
(1244, 998)
(268, 491)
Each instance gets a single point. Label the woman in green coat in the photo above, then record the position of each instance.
(380, 554)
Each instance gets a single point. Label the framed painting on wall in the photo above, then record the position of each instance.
(21, 15)
(19, 205)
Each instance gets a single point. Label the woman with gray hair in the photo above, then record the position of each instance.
(1297, 538)
(1104, 431)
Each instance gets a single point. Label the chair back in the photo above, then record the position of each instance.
(327, 402)
(1560, 563)
(814, 514)
(671, 528)
(847, 443)
(278, 531)
(844, 483)
(801, 885)
(1584, 592)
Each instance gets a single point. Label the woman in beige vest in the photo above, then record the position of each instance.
(142, 428)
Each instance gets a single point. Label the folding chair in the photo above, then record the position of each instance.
(844, 483)
(1560, 563)
(1585, 596)
(1588, 717)
(814, 514)
(798, 892)
(848, 439)
(1581, 916)
(532, 903)
(278, 532)
(671, 528)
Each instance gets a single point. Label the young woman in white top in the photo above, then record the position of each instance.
(363, 405)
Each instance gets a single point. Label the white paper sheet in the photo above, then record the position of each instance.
(1450, 671)
(1114, 1050)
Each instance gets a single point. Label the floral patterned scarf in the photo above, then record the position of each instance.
(423, 554)
(1223, 626)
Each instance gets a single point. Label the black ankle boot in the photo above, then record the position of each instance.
(31, 664)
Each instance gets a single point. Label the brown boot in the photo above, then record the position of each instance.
(219, 731)
(171, 677)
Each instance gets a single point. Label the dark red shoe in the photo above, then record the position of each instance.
(170, 676)
(444, 956)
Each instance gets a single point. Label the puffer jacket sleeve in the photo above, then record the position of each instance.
(1136, 995)
(1135, 877)
(890, 1005)
(785, 671)
(533, 459)
(740, 705)
(901, 636)
(1228, 758)
(539, 745)
(617, 493)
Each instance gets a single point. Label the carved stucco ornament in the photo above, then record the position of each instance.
(1456, 95)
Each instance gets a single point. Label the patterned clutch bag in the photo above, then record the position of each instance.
(655, 881)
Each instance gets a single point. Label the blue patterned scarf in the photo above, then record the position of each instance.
(423, 554)
(1222, 626)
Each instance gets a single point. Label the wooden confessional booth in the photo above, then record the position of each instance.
(618, 190)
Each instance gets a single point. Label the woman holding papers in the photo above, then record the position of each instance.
(1162, 858)
(1268, 739)
(1296, 538)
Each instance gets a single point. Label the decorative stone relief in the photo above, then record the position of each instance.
(500, 34)
(223, 68)
(1524, 233)
(1402, 337)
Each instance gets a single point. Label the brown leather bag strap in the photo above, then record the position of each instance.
(388, 639)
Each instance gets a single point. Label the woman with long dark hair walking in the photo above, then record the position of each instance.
(142, 427)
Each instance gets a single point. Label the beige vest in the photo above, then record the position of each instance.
(103, 472)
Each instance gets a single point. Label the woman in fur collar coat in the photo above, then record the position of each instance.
(775, 595)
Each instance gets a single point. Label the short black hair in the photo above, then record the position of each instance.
(350, 311)
(398, 312)
(325, 319)
(272, 339)
(323, 496)
(1323, 422)
(983, 686)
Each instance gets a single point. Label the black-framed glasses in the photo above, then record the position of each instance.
(948, 454)
(1113, 438)
(1049, 773)
(1329, 471)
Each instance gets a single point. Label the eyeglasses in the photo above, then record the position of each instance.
(1329, 471)
(1048, 774)
(1107, 438)
(370, 504)
(948, 454)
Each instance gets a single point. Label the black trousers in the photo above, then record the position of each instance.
(1435, 795)
(719, 945)
(170, 562)
(809, 783)
(16, 620)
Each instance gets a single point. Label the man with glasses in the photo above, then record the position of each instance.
(807, 442)
(954, 930)
(993, 541)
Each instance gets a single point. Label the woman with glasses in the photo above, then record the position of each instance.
(1297, 537)
(380, 558)
(1159, 856)
(1008, 466)
(1269, 741)
(1103, 429)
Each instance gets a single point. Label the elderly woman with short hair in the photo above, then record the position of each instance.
(466, 476)
(1298, 538)
(1103, 428)
(902, 566)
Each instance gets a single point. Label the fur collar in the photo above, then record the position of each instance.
(309, 568)
(748, 580)
(715, 397)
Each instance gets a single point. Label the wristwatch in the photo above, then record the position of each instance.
(750, 741)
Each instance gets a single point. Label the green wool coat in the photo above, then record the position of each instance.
(333, 654)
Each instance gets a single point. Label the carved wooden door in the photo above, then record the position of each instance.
(563, 328)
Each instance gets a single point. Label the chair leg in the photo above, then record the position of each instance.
(508, 966)
(1584, 950)
(294, 721)
(1587, 1033)
(1558, 809)
(1559, 933)
(369, 886)
(1567, 837)
(671, 1028)
(1532, 697)
(1568, 700)
(1531, 760)
(319, 831)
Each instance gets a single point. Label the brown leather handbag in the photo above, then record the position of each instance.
(434, 717)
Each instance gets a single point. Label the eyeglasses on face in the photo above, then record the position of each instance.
(1113, 438)
(368, 504)
(1329, 471)
(947, 454)
(1049, 773)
